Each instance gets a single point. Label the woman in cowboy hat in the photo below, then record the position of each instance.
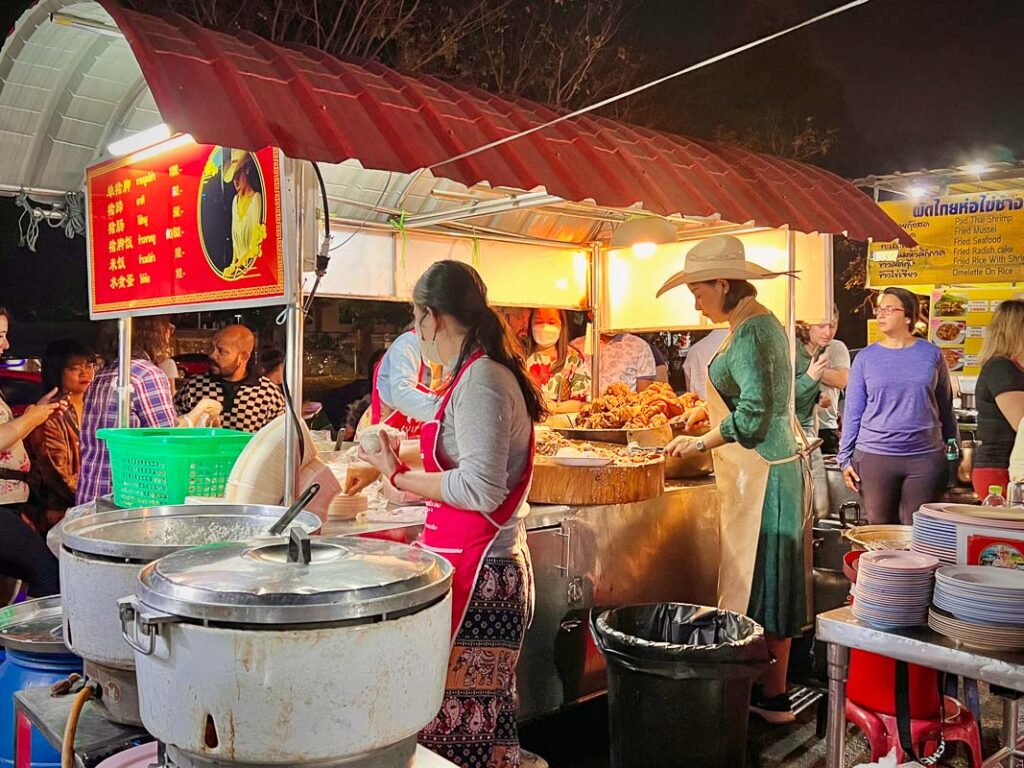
(760, 481)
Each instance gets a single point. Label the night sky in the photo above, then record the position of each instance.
(909, 83)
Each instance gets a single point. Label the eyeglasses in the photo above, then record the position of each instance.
(81, 367)
(887, 311)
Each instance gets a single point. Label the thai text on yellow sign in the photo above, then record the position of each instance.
(973, 238)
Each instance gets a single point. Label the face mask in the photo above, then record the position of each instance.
(546, 335)
(428, 349)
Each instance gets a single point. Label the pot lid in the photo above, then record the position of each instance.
(148, 533)
(34, 626)
(256, 583)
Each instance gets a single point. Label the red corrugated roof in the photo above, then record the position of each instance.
(244, 92)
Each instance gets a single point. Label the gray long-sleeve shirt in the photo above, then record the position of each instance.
(486, 435)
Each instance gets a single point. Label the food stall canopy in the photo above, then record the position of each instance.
(96, 72)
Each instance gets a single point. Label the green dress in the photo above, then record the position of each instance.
(754, 378)
(807, 389)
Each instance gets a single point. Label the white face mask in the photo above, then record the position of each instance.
(546, 334)
(428, 349)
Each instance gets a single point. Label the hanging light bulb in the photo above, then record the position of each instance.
(644, 235)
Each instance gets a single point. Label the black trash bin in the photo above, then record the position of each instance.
(679, 680)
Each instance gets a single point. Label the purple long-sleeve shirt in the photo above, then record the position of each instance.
(898, 403)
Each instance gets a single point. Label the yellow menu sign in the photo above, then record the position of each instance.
(958, 321)
(974, 238)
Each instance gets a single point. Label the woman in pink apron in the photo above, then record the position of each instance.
(478, 462)
(758, 466)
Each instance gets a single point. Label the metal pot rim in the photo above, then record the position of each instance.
(235, 584)
(74, 533)
(43, 609)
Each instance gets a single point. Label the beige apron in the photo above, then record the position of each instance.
(742, 478)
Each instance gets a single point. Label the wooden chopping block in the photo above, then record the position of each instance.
(612, 484)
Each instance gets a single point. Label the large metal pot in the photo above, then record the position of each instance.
(100, 560)
(293, 652)
(838, 493)
(963, 472)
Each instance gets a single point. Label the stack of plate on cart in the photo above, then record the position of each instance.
(934, 533)
(935, 526)
(982, 606)
(894, 588)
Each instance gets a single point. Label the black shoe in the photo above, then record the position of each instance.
(776, 710)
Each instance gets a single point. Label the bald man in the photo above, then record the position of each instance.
(250, 401)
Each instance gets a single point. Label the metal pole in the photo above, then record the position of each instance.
(597, 308)
(791, 315)
(293, 333)
(124, 372)
(835, 733)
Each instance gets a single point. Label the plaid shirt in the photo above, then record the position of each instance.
(151, 407)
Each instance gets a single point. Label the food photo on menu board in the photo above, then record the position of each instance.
(185, 224)
(959, 317)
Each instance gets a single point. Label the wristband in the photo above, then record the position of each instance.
(401, 469)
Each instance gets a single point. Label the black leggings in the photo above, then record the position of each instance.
(25, 556)
(893, 487)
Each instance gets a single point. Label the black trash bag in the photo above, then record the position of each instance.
(679, 641)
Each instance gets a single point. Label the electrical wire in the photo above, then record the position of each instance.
(651, 83)
(323, 255)
(67, 751)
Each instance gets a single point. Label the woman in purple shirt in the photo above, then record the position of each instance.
(899, 413)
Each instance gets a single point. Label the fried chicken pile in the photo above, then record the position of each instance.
(621, 408)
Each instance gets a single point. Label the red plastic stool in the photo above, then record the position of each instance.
(883, 736)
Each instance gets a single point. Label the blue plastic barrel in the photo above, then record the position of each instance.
(36, 658)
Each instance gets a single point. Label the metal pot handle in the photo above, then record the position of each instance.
(855, 506)
(145, 623)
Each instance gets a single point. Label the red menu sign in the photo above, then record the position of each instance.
(185, 227)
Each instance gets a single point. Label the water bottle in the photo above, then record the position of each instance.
(995, 497)
(952, 462)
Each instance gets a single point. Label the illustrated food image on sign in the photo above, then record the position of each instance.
(185, 226)
(959, 319)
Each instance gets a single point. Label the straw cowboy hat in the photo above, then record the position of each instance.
(239, 158)
(718, 258)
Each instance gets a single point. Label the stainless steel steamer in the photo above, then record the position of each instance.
(100, 560)
(293, 652)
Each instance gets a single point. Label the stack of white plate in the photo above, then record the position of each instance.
(935, 526)
(934, 535)
(894, 588)
(977, 635)
(981, 594)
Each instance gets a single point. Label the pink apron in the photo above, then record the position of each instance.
(395, 419)
(462, 536)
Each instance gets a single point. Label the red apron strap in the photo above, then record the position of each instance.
(375, 409)
(454, 382)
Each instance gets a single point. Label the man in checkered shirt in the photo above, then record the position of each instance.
(250, 401)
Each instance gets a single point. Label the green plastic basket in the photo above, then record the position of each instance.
(152, 467)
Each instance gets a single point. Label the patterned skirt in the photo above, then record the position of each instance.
(476, 727)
